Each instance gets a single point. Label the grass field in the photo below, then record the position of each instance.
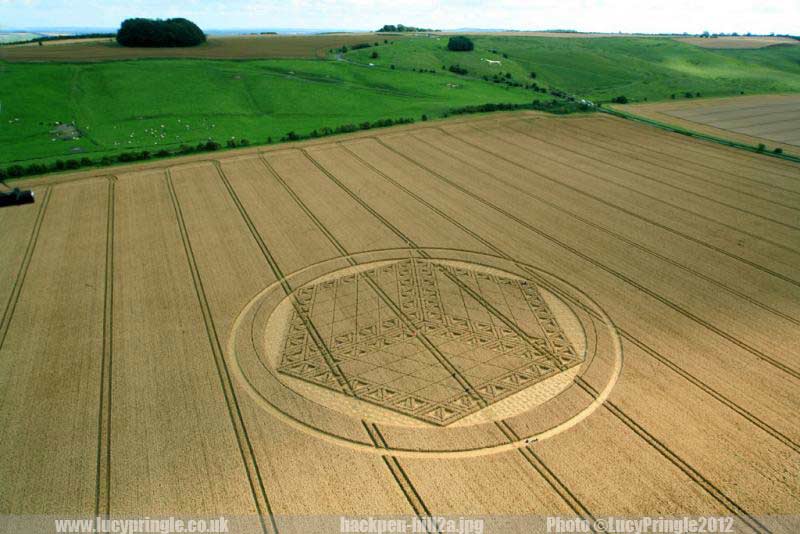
(771, 120)
(154, 104)
(515, 316)
(603, 68)
(150, 105)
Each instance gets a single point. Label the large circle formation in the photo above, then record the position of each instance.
(425, 352)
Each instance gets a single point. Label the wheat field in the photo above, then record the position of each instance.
(512, 316)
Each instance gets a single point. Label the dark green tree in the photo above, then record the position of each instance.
(159, 33)
(460, 44)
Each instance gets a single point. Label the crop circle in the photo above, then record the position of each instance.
(451, 353)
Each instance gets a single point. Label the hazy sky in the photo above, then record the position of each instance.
(757, 16)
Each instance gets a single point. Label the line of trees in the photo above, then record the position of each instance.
(160, 33)
(19, 171)
(559, 107)
(345, 128)
(400, 28)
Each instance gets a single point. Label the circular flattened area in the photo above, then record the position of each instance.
(440, 344)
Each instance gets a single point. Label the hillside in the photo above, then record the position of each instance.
(119, 106)
(602, 68)
(110, 107)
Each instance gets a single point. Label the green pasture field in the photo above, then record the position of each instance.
(154, 104)
(602, 68)
(157, 104)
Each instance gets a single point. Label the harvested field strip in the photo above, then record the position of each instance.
(734, 509)
(61, 274)
(658, 201)
(669, 259)
(553, 481)
(710, 157)
(761, 119)
(691, 195)
(734, 109)
(745, 377)
(716, 177)
(255, 479)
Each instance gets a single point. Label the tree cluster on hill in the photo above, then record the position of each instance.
(460, 43)
(391, 28)
(159, 33)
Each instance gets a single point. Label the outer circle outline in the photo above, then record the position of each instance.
(298, 424)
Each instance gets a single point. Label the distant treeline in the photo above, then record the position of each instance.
(708, 35)
(400, 28)
(160, 33)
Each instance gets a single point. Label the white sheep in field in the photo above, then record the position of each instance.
(492, 61)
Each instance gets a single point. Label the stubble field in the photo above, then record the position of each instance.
(770, 119)
(512, 316)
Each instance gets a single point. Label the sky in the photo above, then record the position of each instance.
(629, 16)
